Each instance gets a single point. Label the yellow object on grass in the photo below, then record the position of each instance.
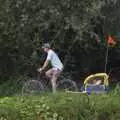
(101, 76)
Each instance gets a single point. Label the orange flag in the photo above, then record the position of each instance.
(111, 41)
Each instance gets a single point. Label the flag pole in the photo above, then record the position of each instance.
(106, 58)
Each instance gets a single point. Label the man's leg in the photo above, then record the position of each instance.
(49, 73)
(56, 74)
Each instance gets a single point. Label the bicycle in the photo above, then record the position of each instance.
(42, 85)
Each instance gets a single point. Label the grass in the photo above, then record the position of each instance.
(61, 106)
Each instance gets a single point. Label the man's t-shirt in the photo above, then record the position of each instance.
(55, 61)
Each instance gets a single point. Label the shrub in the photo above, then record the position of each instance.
(61, 106)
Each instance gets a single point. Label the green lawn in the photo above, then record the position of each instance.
(62, 106)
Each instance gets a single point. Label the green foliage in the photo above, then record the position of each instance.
(26, 24)
(13, 86)
(61, 106)
(67, 24)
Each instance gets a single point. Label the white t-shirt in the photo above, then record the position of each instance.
(55, 61)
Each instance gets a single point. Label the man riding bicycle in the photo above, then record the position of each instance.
(57, 66)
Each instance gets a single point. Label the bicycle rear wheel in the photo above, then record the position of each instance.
(66, 85)
(32, 87)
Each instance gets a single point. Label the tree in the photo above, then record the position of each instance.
(26, 24)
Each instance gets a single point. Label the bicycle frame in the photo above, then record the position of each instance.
(43, 79)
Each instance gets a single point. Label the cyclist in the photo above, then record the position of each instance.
(57, 66)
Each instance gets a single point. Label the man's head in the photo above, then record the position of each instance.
(46, 47)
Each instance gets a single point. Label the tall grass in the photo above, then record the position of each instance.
(62, 106)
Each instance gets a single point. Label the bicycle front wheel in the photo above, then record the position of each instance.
(66, 85)
(32, 87)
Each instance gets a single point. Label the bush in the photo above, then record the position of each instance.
(13, 86)
(61, 106)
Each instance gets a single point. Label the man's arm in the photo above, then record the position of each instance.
(44, 65)
(49, 56)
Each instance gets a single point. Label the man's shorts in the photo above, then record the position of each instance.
(56, 72)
